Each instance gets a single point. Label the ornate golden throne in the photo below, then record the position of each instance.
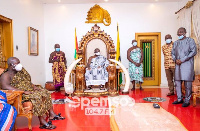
(96, 39)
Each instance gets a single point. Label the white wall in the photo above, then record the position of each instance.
(26, 13)
(60, 21)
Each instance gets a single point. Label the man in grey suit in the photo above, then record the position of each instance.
(183, 53)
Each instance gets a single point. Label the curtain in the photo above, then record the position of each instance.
(184, 18)
(196, 19)
(190, 19)
(196, 32)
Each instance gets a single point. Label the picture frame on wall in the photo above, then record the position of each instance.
(33, 41)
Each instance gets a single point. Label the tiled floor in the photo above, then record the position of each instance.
(76, 120)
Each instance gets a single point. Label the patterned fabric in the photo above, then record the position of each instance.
(58, 71)
(97, 75)
(167, 49)
(8, 114)
(136, 73)
(41, 99)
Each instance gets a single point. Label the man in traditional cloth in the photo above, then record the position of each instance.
(17, 78)
(59, 67)
(8, 114)
(169, 63)
(183, 53)
(135, 57)
(96, 73)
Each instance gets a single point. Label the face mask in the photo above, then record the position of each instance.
(18, 67)
(134, 43)
(180, 37)
(168, 41)
(98, 53)
(57, 49)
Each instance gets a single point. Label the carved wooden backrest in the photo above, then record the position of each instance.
(96, 39)
(98, 44)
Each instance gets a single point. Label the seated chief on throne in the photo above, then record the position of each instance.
(96, 73)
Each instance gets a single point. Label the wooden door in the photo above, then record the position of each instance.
(2, 55)
(6, 40)
(151, 46)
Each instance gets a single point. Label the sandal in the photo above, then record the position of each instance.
(58, 117)
(89, 88)
(49, 122)
(102, 87)
(48, 126)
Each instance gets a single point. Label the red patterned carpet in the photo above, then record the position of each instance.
(76, 120)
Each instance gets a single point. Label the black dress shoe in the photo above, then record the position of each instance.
(177, 102)
(185, 104)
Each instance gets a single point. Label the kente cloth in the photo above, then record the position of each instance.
(58, 71)
(97, 74)
(8, 114)
(167, 51)
(184, 50)
(136, 73)
(41, 99)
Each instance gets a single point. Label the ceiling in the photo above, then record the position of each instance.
(102, 1)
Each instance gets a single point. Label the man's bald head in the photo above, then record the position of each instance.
(168, 36)
(56, 46)
(134, 41)
(181, 31)
(96, 50)
(13, 60)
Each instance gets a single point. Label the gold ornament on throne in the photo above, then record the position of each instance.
(96, 14)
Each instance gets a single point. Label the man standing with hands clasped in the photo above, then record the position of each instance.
(58, 59)
(183, 53)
